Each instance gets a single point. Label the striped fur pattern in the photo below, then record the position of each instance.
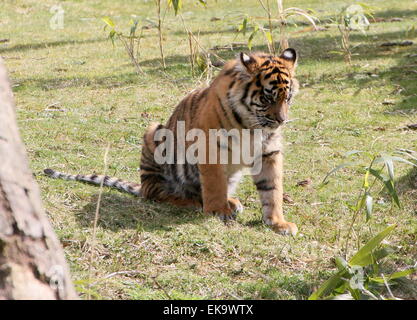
(253, 91)
(129, 187)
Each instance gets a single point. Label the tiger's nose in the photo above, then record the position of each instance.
(281, 116)
(281, 112)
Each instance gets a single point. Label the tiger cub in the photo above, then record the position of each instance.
(252, 92)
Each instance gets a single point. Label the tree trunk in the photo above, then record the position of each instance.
(32, 263)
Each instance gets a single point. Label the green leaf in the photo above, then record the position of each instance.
(329, 285)
(408, 153)
(369, 204)
(364, 256)
(366, 180)
(361, 202)
(389, 162)
(390, 167)
(133, 27)
(341, 263)
(389, 185)
(177, 5)
(243, 26)
(399, 159)
(383, 252)
(268, 36)
(108, 21)
(255, 31)
(111, 36)
(341, 166)
(352, 152)
(393, 276)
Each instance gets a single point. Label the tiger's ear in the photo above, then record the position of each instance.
(249, 62)
(290, 55)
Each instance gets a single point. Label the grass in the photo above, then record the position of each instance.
(146, 250)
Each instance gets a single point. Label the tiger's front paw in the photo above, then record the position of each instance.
(235, 205)
(224, 213)
(285, 228)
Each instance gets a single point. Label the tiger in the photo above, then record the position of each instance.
(252, 91)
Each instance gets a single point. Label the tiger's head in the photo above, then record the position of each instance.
(267, 86)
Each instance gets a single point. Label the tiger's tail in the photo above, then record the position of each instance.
(129, 187)
(152, 186)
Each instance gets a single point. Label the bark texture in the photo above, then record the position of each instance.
(32, 262)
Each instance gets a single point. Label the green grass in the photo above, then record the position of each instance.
(182, 254)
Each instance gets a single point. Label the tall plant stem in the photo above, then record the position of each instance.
(267, 8)
(161, 49)
(282, 26)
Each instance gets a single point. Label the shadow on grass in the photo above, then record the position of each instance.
(115, 81)
(312, 47)
(394, 13)
(44, 45)
(408, 183)
(403, 76)
(123, 211)
(279, 287)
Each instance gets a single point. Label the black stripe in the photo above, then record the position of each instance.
(218, 116)
(245, 94)
(146, 168)
(238, 118)
(236, 115)
(266, 63)
(265, 188)
(230, 72)
(146, 176)
(264, 185)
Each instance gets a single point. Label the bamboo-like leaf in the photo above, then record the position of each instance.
(341, 263)
(387, 160)
(176, 4)
(255, 31)
(243, 26)
(399, 159)
(268, 36)
(112, 35)
(133, 27)
(361, 203)
(408, 153)
(352, 152)
(310, 19)
(389, 185)
(383, 252)
(369, 204)
(364, 256)
(393, 276)
(341, 166)
(329, 285)
(108, 21)
(366, 179)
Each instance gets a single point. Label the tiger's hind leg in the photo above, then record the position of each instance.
(155, 185)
